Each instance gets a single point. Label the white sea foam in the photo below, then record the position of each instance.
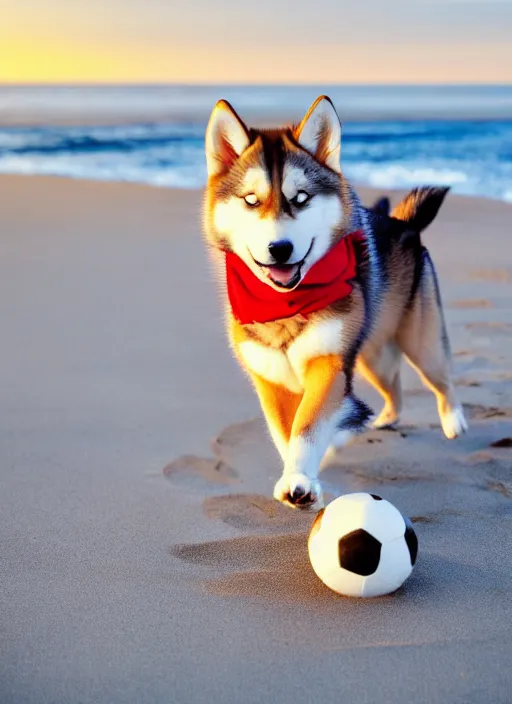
(69, 167)
(399, 176)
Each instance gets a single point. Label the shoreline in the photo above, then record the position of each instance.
(360, 187)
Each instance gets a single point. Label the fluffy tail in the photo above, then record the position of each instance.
(420, 207)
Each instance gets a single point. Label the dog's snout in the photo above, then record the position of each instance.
(281, 251)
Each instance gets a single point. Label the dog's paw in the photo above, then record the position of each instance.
(454, 423)
(299, 491)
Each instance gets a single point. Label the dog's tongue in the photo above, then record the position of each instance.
(282, 274)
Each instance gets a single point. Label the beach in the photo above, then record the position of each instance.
(142, 557)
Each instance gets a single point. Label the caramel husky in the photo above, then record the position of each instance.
(318, 286)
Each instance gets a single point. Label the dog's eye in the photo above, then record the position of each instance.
(252, 200)
(301, 199)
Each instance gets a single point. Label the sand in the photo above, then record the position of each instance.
(142, 558)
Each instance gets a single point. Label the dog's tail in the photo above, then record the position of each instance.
(420, 207)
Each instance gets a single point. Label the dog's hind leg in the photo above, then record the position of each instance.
(423, 339)
(381, 368)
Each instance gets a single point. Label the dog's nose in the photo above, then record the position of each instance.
(281, 251)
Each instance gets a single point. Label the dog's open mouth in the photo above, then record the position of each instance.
(284, 275)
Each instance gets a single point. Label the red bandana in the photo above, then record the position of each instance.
(329, 280)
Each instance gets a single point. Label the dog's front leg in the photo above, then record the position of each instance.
(312, 431)
(279, 406)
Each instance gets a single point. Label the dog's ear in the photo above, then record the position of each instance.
(420, 206)
(382, 206)
(320, 133)
(226, 138)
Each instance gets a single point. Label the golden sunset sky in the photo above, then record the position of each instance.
(270, 41)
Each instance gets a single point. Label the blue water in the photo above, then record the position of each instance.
(156, 135)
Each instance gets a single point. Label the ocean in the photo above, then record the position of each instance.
(393, 137)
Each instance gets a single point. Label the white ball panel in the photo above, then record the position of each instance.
(323, 552)
(345, 514)
(382, 520)
(344, 582)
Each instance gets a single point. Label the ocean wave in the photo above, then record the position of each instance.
(472, 157)
(117, 138)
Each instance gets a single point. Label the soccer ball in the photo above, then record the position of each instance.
(361, 545)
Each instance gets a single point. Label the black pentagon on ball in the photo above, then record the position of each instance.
(376, 497)
(412, 540)
(359, 552)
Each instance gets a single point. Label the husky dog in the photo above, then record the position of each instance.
(318, 286)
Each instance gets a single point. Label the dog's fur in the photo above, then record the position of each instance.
(266, 186)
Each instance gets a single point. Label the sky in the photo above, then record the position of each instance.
(268, 41)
